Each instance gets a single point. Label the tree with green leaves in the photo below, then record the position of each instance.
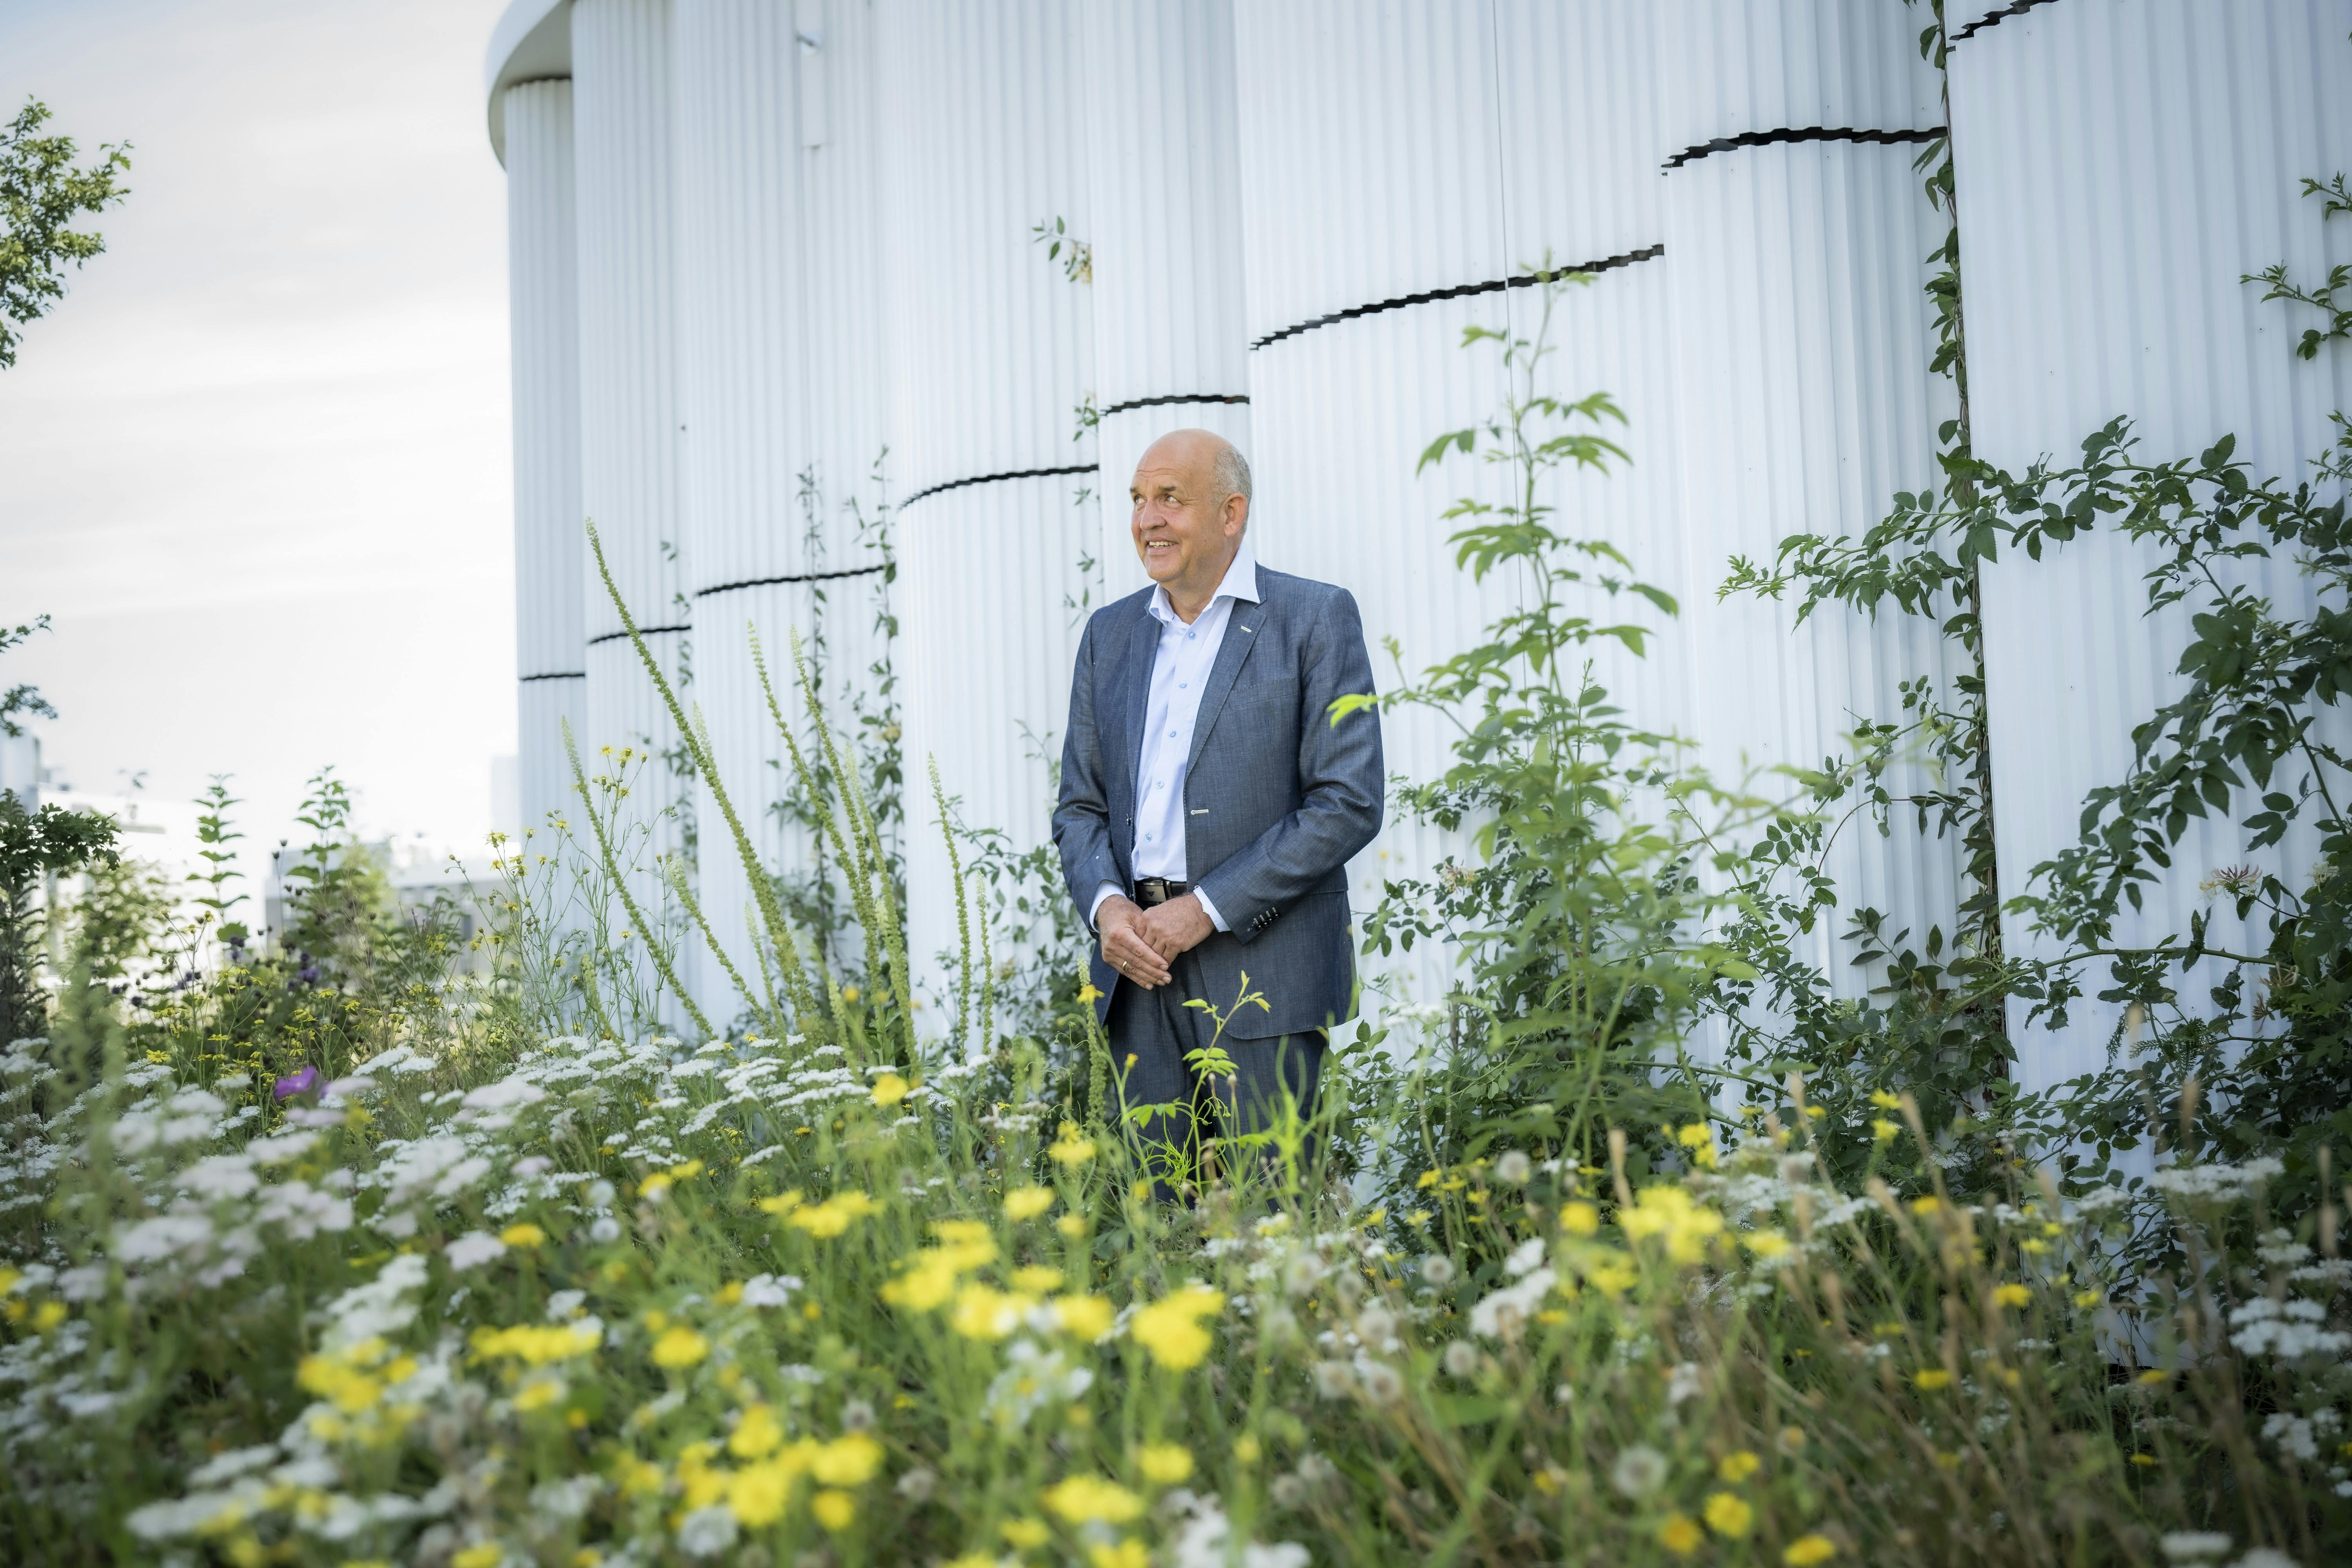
(42, 192)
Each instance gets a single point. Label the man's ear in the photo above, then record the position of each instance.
(1236, 513)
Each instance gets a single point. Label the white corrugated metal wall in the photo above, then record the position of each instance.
(1383, 174)
(2122, 164)
(1170, 340)
(1796, 236)
(623, 122)
(991, 359)
(1401, 172)
(544, 313)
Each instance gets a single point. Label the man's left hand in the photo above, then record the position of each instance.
(1177, 926)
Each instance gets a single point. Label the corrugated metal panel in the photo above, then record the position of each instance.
(1164, 222)
(544, 313)
(1370, 153)
(2121, 166)
(621, 117)
(1444, 148)
(991, 359)
(741, 311)
(1796, 272)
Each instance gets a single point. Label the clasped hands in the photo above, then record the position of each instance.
(1141, 943)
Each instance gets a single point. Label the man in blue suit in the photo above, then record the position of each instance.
(1209, 806)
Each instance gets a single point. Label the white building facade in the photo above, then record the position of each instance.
(780, 280)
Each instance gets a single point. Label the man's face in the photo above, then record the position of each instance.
(1184, 542)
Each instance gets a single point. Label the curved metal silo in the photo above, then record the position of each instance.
(1171, 338)
(1406, 172)
(990, 356)
(1796, 235)
(544, 313)
(2121, 168)
(623, 118)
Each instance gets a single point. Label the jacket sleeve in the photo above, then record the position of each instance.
(1342, 780)
(1082, 813)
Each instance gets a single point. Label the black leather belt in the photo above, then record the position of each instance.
(1150, 890)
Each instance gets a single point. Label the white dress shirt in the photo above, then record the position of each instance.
(1180, 669)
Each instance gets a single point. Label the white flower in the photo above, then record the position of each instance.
(474, 1248)
(2266, 1557)
(505, 1093)
(1461, 1358)
(604, 1228)
(2189, 1545)
(706, 1531)
(378, 1309)
(567, 1499)
(220, 1176)
(770, 1290)
(1035, 1380)
(1334, 1379)
(564, 1305)
(1639, 1471)
(1685, 1384)
(228, 1466)
(152, 1240)
(1524, 1257)
(1382, 1382)
(1502, 1313)
(1204, 1541)
(1438, 1269)
(1375, 1325)
(277, 1150)
(1302, 1273)
(1513, 1167)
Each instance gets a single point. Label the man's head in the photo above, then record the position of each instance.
(1191, 497)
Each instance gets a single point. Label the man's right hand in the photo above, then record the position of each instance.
(1119, 923)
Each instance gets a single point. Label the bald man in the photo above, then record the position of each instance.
(1209, 806)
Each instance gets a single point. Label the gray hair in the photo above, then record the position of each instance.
(1233, 473)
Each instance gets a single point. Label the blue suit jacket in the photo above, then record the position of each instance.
(1276, 798)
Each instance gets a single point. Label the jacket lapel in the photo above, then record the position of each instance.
(1135, 691)
(1241, 635)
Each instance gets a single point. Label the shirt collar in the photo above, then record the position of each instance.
(1240, 582)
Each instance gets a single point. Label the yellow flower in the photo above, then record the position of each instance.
(926, 1285)
(1036, 1279)
(1671, 1214)
(756, 1435)
(1927, 1203)
(984, 1312)
(834, 1510)
(48, 1315)
(535, 1344)
(686, 1170)
(1680, 1535)
(335, 1379)
(973, 1559)
(1072, 1225)
(1809, 1549)
(2086, 1299)
(1027, 1202)
(890, 1089)
(1579, 1218)
(1737, 1466)
(1088, 995)
(1245, 1448)
(2148, 1461)
(831, 1218)
(1932, 1379)
(680, 1347)
(1128, 1553)
(1170, 1329)
(538, 1395)
(1885, 1101)
(782, 1203)
(846, 1461)
(488, 1554)
(1728, 1514)
(1765, 1243)
(2013, 1295)
(1026, 1533)
(1886, 1132)
(1072, 1150)
(757, 1495)
(2155, 1375)
(1164, 1463)
(523, 1235)
(1082, 1499)
(638, 1477)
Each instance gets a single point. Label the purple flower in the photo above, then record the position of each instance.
(303, 1082)
(309, 974)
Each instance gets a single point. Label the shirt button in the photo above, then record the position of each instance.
(1172, 735)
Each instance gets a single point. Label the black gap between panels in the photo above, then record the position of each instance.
(1460, 291)
(642, 631)
(992, 479)
(1809, 133)
(796, 577)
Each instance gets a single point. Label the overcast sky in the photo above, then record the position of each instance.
(256, 463)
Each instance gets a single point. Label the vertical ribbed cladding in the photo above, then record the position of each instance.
(984, 139)
(544, 310)
(2120, 168)
(1443, 152)
(739, 350)
(1796, 272)
(1171, 341)
(628, 408)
